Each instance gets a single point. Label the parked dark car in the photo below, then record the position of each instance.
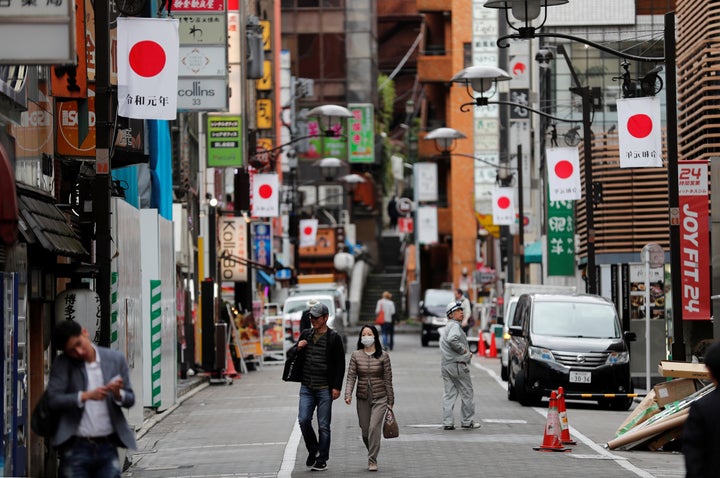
(432, 313)
(573, 341)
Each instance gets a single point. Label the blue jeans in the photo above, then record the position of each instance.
(388, 335)
(322, 400)
(84, 459)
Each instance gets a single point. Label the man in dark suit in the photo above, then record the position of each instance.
(88, 387)
(701, 434)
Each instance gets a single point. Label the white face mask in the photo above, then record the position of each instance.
(367, 340)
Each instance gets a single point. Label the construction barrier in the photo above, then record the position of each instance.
(551, 438)
(603, 395)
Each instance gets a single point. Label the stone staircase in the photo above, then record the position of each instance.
(386, 277)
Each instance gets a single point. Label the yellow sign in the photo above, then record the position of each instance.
(486, 221)
(265, 83)
(264, 113)
(266, 34)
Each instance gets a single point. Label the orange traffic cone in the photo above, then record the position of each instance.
(551, 438)
(562, 414)
(229, 364)
(481, 345)
(493, 347)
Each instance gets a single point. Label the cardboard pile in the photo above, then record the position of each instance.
(659, 417)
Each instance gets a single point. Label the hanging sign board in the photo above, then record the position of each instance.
(37, 33)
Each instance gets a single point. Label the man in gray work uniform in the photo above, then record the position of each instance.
(455, 367)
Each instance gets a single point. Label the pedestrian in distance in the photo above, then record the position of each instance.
(701, 433)
(467, 309)
(322, 376)
(386, 304)
(88, 387)
(455, 368)
(370, 368)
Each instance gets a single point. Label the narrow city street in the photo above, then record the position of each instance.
(248, 429)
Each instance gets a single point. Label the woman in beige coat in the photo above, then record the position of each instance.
(370, 368)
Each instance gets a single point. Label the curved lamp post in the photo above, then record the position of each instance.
(527, 12)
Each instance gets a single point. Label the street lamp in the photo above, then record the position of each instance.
(527, 12)
(480, 79)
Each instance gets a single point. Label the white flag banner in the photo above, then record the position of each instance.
(265, 195)
(308, 232)
(503, 206)
(563, 165)
(148, 50)
(639, 132)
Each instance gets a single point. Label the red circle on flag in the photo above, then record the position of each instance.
(147, 58)
(563, 169)
(639, 125)
(307, 231)
(503, 202)
(265, 191)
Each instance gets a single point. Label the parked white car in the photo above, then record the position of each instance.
(296, 304)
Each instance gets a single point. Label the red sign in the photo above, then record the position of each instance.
(694, 240)
(405, 225)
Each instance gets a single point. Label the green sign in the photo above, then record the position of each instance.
(561, 238)
(224, 141)
(361, 133)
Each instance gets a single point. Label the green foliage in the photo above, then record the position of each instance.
(387, 97)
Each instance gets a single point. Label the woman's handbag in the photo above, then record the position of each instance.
(380, 317)
(390, 426)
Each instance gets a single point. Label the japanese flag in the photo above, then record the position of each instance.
(564, 174)
(503, 206)
(308, 232)
(265, 195)
(147, 50)
(639, 132)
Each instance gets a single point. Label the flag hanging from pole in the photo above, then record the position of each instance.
(639, 132)
(308, 232)
(504, 206)
(563, 165)
(265, 196)
(147, 50)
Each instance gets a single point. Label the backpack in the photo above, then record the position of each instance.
(44, 421)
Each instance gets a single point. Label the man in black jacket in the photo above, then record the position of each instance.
(322, 378)
(701, 434)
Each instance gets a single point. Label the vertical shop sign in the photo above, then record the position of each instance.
(233, 243)
(561, 238)
(262, 243)
(694, 239)
(362, 133)
(224, 137)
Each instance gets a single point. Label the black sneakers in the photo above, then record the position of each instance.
(310, 459)
(449, 427)
(472, 425)
(319, 466)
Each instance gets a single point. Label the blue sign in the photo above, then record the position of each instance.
(283, 274)
(262, 243)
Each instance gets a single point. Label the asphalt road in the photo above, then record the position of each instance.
(248, 429)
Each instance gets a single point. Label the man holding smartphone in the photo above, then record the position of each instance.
(88, 387)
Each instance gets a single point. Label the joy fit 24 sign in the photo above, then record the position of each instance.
(694, 240)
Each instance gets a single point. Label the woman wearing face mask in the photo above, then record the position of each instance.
(370, 367)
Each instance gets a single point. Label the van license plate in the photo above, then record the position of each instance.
(580, 377)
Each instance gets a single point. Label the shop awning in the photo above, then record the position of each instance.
(533, 253)
(264, 278)
(8, 201)
(41, 222)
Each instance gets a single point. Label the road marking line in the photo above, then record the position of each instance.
(623, 462)
(288, 463)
